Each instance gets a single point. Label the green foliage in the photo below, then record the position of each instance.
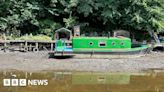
(3, 23)
(9, 38)
(15, 13)
(70, 22)
(35, 38)
(45, 16)
(48, 26)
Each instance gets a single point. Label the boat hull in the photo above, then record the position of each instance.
(108, 53)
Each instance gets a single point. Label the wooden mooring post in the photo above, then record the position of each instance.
(52, 46)
(36, 47)
(25, 45)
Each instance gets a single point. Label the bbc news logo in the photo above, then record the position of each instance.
(24, 82)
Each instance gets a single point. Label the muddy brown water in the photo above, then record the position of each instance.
(63, 81)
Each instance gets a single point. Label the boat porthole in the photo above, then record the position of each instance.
(90, 43)
(113, 43)
(122, 44)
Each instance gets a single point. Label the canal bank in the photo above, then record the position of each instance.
(40, 61)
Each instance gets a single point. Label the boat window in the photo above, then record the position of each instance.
(102, 44)
(90, 43)
(122, 44)
(113, 43)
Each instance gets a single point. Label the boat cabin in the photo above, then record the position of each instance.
(63, 34)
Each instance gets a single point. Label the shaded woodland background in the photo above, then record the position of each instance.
(20, 17)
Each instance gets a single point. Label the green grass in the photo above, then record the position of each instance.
(35, 38)
(30, 38)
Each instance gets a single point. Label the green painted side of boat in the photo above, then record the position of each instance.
(60, 45)
(100, 43)
(143, 47)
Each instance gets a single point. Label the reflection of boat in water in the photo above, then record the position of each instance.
(84, 78)
(99, 45)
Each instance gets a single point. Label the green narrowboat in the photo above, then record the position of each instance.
(99, 45)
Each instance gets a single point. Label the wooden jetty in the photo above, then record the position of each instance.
(28, 45)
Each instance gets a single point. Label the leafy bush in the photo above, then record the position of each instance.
(9, 38)
(35, 38)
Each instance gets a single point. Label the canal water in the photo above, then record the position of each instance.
(64, 81)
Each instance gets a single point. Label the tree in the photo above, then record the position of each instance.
(45, 16)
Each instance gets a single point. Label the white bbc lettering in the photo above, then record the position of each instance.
(45, 82)
(32, 82)
(22, 82)
(14, 82)
(37, 82)
(6, 82)
(42, 82)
